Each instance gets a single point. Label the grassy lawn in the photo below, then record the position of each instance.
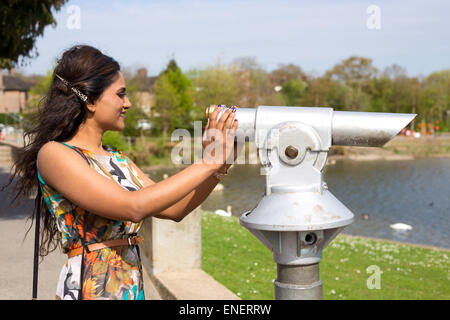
(235, 258)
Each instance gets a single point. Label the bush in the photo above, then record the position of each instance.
(115, 139)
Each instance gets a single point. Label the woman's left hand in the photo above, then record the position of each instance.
(230, 157)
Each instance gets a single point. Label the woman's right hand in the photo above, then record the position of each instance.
(218, 138)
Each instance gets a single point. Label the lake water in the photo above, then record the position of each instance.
(414, 192)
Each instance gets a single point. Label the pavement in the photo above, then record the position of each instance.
(16, 266)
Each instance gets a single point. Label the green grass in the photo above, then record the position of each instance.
(235, 258)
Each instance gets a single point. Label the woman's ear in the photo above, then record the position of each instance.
(90, 107)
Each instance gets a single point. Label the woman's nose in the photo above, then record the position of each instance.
(127, 103)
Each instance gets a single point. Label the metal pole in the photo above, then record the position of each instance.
(298, 282)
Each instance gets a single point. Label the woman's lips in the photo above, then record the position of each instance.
(122, 116)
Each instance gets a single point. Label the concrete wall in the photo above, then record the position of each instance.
(172, 255)
(172, 246)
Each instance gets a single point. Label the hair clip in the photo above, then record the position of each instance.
(81, 95)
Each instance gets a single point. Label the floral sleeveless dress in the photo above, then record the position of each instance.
(109, 273)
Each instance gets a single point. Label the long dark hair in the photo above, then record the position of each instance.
(58, 117)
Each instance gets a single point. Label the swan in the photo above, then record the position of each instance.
(219, 187)
(224, 213)
(401, 226)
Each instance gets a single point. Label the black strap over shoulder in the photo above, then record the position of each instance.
(85, 249)
(36, 243)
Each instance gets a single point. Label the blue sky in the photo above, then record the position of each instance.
(314, 35)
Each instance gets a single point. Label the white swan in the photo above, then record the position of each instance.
(224, 213)
(401, 226)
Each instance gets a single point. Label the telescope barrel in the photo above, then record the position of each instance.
(368, 129)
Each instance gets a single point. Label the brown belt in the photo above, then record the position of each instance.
(131, 241)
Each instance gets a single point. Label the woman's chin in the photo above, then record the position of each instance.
(121, 124)
(117, 127)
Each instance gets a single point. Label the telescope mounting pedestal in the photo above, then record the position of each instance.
(297, 217)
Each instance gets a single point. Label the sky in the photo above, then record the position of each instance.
(314, 35)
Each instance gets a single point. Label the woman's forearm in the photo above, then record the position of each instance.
(154, 199)
(186, 205)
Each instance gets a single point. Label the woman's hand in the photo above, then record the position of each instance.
(219, 147)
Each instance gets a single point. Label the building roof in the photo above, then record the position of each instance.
(13, 83)
(145, 83)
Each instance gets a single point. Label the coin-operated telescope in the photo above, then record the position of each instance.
(298, 216)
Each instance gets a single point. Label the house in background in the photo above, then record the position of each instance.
(145, 96)
(145, 100)
(13, 92)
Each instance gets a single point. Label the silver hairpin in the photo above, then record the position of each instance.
(81, 95)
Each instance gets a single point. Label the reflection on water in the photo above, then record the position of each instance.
(380, 193)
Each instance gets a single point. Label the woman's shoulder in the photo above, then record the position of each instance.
(51, 148)
(52, 158)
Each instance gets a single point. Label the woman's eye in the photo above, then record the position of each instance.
(121, 95)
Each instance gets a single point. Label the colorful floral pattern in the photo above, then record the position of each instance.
(109, 273)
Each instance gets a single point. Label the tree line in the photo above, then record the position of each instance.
(353, 84)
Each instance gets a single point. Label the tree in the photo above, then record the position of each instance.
(357, 74)
(166, 102)
(135, 113)
(435, 101)
(21, 22)
(40, 89)
(381, 94)
(254, 84)
(292, 92)
(286, 72)
(356, 99)
(214, 85)
(354, 71)
(394, 91)
(174, 106)
(325, 92)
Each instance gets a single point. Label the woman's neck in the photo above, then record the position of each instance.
(89, 138)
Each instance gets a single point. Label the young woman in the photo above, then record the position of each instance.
(94, 200)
